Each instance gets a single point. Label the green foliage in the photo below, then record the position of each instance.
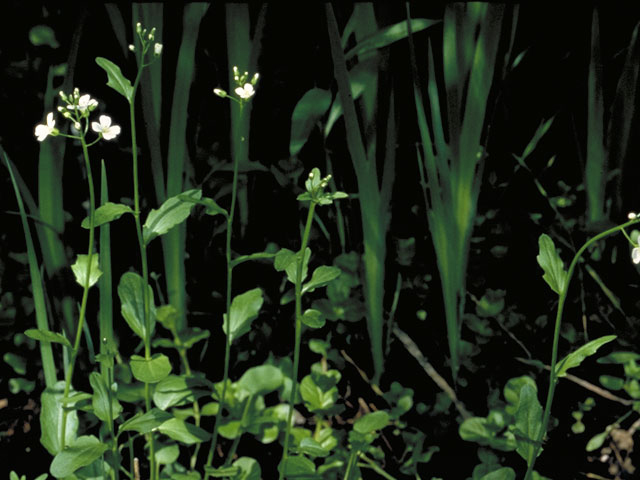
(81, 268)
(150, 370)
(131, 293)
(172, 212)
(107, 213)
(116, 79)
(81, 452)
(575, 358)
(551, 263)
(244, 310)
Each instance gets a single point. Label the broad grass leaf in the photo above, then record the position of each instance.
(51, 419)
(321, 277)
(107, 213)
(116, 79)
(81, 452)
(548, 258)
(388, 35)
(261, 380)
(47, 336)
(371, 422)
(145, 422)
(183, 432)
(131, 293)
(152, 370)
(307, 112)
(528, 422)
(80, 269)
(244, 309)
(575, 358)
(105, 404)
(172, 212)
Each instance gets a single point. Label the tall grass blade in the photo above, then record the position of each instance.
(42, 322)
(105, 284)
(173, 242)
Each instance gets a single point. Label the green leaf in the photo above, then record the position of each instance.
(17, 362)
(316, 398)
(313, 318)
(168, 315)
(249, 469)
(47, 336)
(321, 277)
(172, 212)
(80, 269)
(548, 258)
(104, 409)
(168, 454)
(253, 256)
(183, 432)
(131, 293)
(299, 466)
(528, 423)
(288, 261)
(307, 112)
(619, 358)
(261, 380)
(388, 35)
(81, 452)
(610, 382)
(597, 441)
(107, 213)
(212, 208)
(221, 472)
(178, 390)
(310, 447)
(51, 419)
(371, 422)
(575, 358)
(116, 79)
(145, 422)
(244, 309)
(153, 370)
(504, 473)
(191, 336)
(43, 35)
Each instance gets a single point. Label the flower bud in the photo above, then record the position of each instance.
(132, 48)
(631, 216)
(157, 49)
(138, 27)
(219, 92)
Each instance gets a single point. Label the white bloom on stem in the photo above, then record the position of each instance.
(157, 49)
(635, 255)
(219, 92)
(632, 216)
(42, 131)
(245, 92)
(84, 102)
(108, 131)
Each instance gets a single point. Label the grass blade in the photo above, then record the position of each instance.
(105, 285)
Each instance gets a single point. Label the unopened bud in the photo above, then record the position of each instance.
(138, 27)
(132, 48)
(219, 92)
(631, 216)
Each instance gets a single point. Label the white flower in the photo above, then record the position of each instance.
(132, 47)
(108, 131)
(42, 131)
(635, 255)
(157, 49)
(84, 102)
(245, 92)
(631, 216)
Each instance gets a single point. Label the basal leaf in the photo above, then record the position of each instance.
(261, 380)
(299, 466)
(80, 269)
(503, 473)
(81, 452)
(249, 469)
(528, 422)
(548, 258)
(152, 370)
(107, 213)
(307, 112)
(145, 422)
(575, 358)
(244, 309)
(116, 79)
(309, 446)
(51, 419)
(183, 432)
(105, 404)
(176, 390)
(371, 422)
(131, 293)
(47, 336)
(321, 277)
(313, 318)
(172, 212)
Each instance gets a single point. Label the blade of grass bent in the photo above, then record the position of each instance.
(173, 242)
(42, 322)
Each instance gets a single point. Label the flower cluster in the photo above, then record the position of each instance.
(77, 110)
(245, 88)
(146, 39)
(315, 185)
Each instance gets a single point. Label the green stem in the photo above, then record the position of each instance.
(298, 334)
(375, 467)
(85, 293)
(227, 347)
(352, 460)
(553, 377)
(236, 441)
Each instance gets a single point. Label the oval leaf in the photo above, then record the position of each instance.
(153, 370)
(184, 432)
(313, 318)
(299, 466)
(145, 422)
(244, 309)
(131, 293)
(308, 111)
(178, 390)
(172, 212)
(261, 380)
(105, 404)
(551, 263)
(107, 213)
(321, 277)
(528, 423)
(47, 336)
(80, 270)
(575, 358)
(371, 422)
(312, 448)
(504, 473)
(116, 79)
(83, 451)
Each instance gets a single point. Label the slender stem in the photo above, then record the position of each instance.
(298, 334)
(553, 376)
(237, 140)
(85, 293)
(352, 460)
